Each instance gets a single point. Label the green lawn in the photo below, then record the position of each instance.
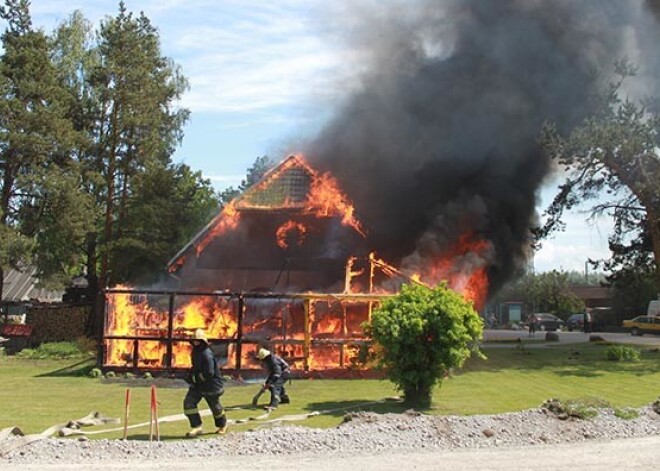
(36, 394)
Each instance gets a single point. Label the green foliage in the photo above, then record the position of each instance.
(169, 205)
(95, 373)
(626, 413)
(40, 206)
(622, 353)
(59, 350)
(579, 408)
(634, 286)
(544, 292)
(421, 335)
(612, 159)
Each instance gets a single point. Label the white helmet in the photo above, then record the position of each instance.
(262, 353)
(200, 335)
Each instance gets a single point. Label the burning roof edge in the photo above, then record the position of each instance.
(290, 161)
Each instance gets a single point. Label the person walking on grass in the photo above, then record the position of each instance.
(278, 374)
(205, 382)
(531, 323)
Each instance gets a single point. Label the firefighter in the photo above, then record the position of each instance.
(278, 373)
(205, 382)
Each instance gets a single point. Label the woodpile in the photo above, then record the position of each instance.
(57, 323)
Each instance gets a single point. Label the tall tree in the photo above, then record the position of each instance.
(36, 138)
(613, 160)
(126, 95)
(138, 122)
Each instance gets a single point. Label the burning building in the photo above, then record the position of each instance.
(285, 264)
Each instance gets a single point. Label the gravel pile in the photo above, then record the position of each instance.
(361, 432)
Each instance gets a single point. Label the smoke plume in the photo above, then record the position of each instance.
(440, 137)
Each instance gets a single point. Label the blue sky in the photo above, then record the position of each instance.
(264, 75)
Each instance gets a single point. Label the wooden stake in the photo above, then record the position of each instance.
(154, 429)
(127, 406)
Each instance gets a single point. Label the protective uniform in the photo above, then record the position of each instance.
(278, 374)
(205, 382)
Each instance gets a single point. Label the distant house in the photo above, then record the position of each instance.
(22, 285)
(594, 296)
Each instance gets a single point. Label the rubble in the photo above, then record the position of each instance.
(363, 432)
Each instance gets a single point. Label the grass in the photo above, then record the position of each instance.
(39, 393)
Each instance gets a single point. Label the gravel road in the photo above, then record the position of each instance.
(534, 438)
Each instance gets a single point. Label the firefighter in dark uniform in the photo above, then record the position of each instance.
(205, 382)
(278, 374)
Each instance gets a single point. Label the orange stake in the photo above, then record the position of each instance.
(127, 406)
(154, 429)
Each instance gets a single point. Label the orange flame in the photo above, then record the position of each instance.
(468, 279)
(131, 315)
(288, 230)
(227, 220)
(325, 199)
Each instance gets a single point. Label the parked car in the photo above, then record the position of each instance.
(576, 322)
(545, 321)
(641, 325)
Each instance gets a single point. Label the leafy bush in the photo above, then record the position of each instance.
(95, 373)
(421, 335)
(59, 350)
(622, 353)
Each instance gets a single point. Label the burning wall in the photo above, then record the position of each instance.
(151, 330)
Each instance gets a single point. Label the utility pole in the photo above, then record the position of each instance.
(586, 272)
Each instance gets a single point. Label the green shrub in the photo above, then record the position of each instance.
(95, 373)
(110, 374)
(622, 353)
(55, 350)
(626, 413)
(586, 408)
(421, 335)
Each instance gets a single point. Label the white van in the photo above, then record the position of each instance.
(654, 308)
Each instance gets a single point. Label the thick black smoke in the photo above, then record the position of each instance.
(441, 136)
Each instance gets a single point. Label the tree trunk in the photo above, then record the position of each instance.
(2, 283)
(654, 224)
(95, 322)
(417, 396)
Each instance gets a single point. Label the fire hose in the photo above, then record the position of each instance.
(74, 427)
(21, 439)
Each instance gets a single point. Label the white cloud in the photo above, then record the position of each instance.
(239, 56)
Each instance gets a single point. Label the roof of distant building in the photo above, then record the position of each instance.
(22, 285)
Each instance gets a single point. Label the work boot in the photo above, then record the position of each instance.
(222, 427)
(193, 432)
